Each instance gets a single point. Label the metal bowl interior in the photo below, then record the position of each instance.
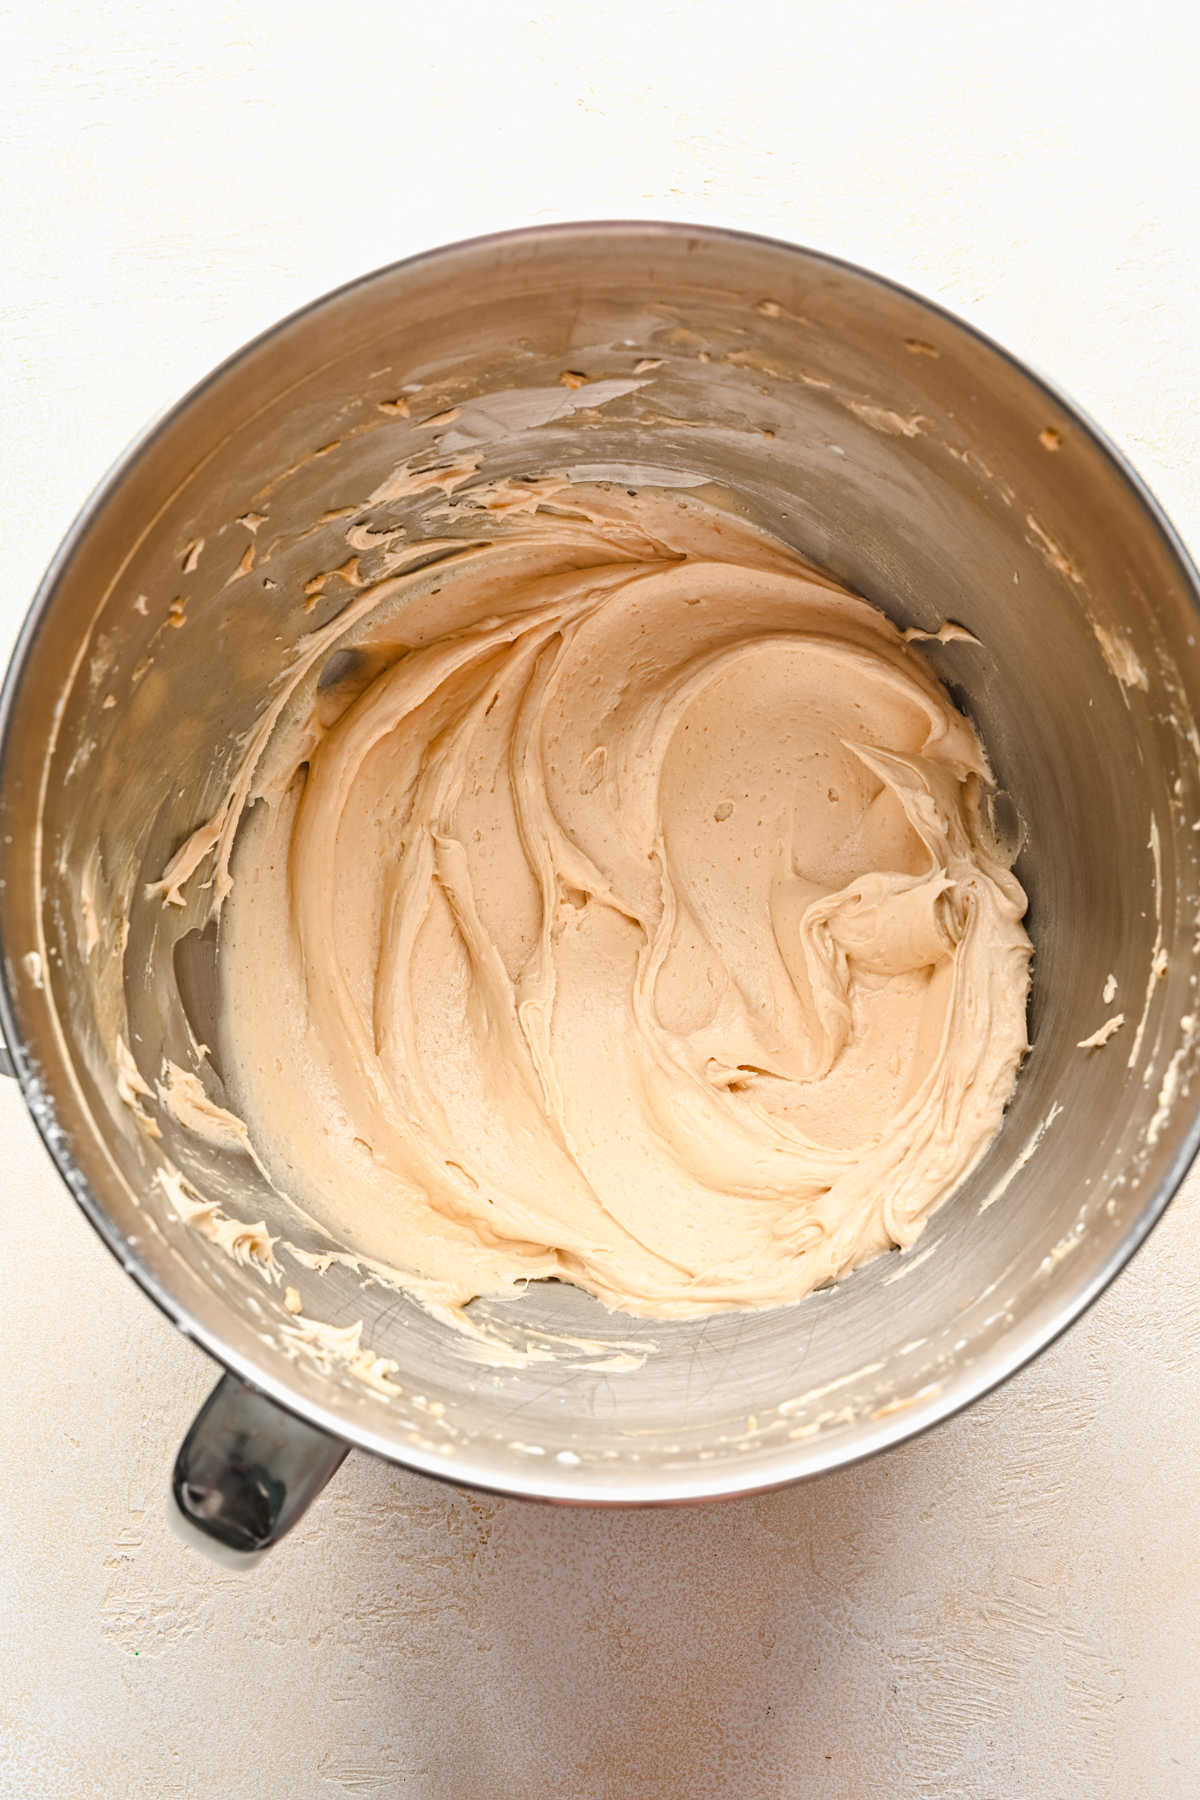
(894, 447)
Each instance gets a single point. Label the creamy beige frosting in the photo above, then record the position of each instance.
(621, 909)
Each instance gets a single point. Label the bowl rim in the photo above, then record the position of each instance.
(550, 1483)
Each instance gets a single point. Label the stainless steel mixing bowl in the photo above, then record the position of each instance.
(898, 449)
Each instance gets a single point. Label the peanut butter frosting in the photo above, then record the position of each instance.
(609, 895)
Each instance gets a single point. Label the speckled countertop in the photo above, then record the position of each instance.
(1006, 1609)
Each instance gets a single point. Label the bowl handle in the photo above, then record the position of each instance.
(247, 1470)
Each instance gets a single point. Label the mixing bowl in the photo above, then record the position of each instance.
(900, 451)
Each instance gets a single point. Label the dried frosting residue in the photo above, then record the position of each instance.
(1100, 1037)
(621, 909)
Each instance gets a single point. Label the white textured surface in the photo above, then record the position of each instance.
(1006, 1609)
